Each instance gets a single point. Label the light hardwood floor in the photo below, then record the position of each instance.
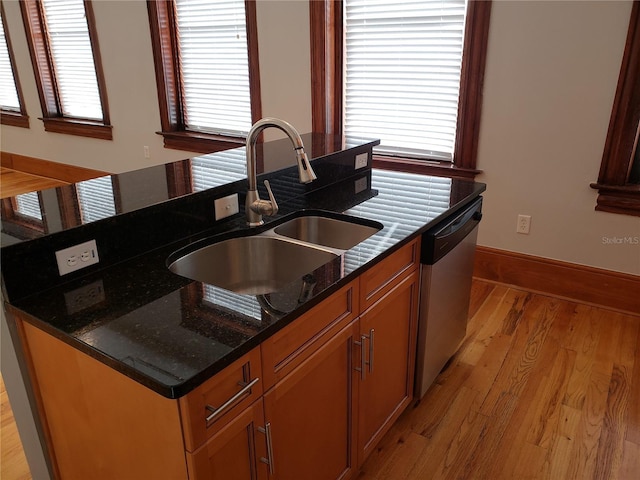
(541, 388)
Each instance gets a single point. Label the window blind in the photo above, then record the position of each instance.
(28, 204)
(402, 74)
(96, 199)
(8, 92)
(214, 65)
(75, 71)
(216, 169)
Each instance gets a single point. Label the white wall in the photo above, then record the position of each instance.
(551, 75)
(550, 79)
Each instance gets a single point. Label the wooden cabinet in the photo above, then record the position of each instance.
(238, 451)
(388, 339)
(311, 413)
(217, 401)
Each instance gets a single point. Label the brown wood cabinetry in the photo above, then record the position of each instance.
(236, 452)
(310, 402)
(217, 401)
(388, 338)
(310, 414)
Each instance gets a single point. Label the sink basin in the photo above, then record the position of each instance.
(326, 231)
(251, 265)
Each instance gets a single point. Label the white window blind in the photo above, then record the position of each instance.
(75, 71)
(8, 92)
(214, 65)
(402, 74)
(216, 169)
(28, 204)
(96, 199)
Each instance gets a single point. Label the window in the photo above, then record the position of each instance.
(426, 57)
(206, 55)
(619, 179)
(11, 101)
(66, 58)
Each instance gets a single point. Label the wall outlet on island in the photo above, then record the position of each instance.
(361, 160)
(77, 257)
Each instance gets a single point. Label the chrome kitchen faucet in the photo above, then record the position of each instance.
(255, 208)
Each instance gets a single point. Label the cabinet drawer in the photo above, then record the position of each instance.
(215, 403)
(377, 281)
(285, 350)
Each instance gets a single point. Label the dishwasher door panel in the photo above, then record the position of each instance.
(444, 308)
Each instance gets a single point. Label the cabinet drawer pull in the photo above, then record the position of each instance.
(216, 412)
(363, 359)
(269, 461)
(371, 337)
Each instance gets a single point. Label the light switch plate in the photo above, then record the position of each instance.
(226, 206)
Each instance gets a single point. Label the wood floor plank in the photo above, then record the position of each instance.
(611, 442)
(13, 464)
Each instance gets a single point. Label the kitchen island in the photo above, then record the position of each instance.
(168, 336)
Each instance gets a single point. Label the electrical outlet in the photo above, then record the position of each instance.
(146, 152)
(77, 257)
(84, 297)
(361, 160)
(524, 224)
(360, 185)
(226, 206)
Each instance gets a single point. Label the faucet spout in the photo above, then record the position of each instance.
(255, 207)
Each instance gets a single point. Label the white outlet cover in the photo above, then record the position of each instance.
(361, 160)
(77, 257)
(226, 206)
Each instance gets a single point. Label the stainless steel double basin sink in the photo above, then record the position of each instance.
(260, 263)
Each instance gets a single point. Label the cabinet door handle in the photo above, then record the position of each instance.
(269, 460)
(371, 350)
(216, 412)
(363, 359)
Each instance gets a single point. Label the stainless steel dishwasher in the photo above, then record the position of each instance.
(447, 256)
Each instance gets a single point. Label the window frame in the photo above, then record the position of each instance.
(615, 193)
(326, 19)
(52, 116)
(12, 117)
(164, 42)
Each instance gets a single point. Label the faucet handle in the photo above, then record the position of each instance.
(272, 199)
(263, 207)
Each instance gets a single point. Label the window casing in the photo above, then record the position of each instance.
(12, 105)
(619, 178)
(172, 78)
(328, 57)
(54, 58)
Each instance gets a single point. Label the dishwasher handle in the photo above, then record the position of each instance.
(443, 238)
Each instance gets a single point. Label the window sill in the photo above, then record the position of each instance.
(200, 142)
(15, 119)
(424, 167)
(624, 200)
(82, 128)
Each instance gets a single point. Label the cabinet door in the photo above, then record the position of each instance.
(388, 339)
(310, 413)
(235, 452)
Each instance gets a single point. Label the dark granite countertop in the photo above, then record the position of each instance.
(170, 333)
